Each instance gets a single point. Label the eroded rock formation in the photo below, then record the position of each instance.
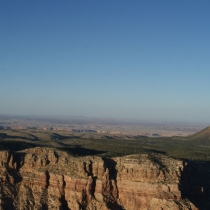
(44, 178)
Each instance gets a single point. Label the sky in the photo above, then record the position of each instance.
(141, 59)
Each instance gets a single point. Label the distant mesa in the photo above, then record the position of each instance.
(84, 130)
(31, 127)
(156, 134)
(5, 127)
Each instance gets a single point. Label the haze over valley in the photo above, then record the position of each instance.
(101, 125)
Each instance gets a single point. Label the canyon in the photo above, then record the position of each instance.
(47, 178)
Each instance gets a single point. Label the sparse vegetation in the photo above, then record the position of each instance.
(196, 147)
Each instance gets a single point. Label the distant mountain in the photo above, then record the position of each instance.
(202, 135)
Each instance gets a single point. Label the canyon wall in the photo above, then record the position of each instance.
(44, 178)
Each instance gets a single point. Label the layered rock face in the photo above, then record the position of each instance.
(44, 178)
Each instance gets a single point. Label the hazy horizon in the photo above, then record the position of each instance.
(105, 119)
(146, 60)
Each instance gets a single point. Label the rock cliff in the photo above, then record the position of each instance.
(44, 178)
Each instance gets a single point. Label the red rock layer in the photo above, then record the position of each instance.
(43, 178)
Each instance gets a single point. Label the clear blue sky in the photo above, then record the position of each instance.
(106, 58)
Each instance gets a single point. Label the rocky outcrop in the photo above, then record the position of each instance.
(44, 178)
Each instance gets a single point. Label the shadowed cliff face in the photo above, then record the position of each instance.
(43, 178)
(195, 183)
